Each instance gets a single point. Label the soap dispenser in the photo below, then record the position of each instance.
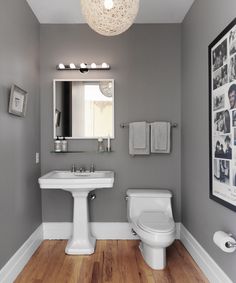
(101, 147)
(64, 145)
(57, 145)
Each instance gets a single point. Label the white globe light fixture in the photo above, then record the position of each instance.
(109, 17)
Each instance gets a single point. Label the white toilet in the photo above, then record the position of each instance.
(150, 216)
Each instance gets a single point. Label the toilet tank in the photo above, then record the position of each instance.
(139, 200)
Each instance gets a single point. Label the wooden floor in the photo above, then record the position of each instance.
(113, 261)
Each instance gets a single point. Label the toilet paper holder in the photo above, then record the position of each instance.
(230, 244)
(225, 241)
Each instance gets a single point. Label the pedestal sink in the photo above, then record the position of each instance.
(79, 184)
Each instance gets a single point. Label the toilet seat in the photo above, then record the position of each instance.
(155, 221)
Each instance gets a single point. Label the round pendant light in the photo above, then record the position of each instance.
(109, 17)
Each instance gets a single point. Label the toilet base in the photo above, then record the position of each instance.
(154, 257)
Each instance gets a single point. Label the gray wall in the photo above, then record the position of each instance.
(203, 23)
(145, 64)
(20, 199)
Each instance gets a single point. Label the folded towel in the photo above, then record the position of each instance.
(160, 137)
(139, 138)
(139, 135)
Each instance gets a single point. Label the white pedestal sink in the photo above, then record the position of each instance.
(79, 184)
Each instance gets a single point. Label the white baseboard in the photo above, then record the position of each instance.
(18, 261)
(112, 231)
(101, 230)
(177, 227)
(208, 266)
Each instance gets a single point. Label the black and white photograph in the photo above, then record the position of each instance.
(232, 96)
(234, 118)
(219, 55)
(234, 180)
(220, 77)
(235, 137)
(234, 177)
(222, 122)
(223, 147)
(232, 69)
(232, 41)
(218, 102)
(222, 171)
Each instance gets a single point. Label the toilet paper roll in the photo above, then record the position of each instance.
(221, 239)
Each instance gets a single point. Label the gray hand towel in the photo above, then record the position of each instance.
(139, 138)
(160, 137)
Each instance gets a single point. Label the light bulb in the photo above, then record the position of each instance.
(93, 66)
(83, 65)
(108, 4)
(61, 66)
(104, 65)
(72, 66)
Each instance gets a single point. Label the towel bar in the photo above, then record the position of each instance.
(125, 125)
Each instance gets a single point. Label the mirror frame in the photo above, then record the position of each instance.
(83, 80)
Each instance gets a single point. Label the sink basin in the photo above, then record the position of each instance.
(77, 181)
(79, 184)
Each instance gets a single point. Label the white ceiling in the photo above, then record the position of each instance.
(150, 11)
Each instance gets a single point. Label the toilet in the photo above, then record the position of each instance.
(150, 216)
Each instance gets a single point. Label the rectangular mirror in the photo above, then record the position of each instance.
(83, 109)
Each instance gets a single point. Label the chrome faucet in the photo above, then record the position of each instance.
(82, 169)
(73, 168)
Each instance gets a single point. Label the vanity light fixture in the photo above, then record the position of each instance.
(82, 67)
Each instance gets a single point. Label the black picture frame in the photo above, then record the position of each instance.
(222, 129)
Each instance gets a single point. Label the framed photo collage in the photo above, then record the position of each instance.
(222, 115)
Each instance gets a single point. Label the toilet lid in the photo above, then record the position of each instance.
(155, 221)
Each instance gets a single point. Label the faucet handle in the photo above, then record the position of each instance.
(73, 168)
(92, 168)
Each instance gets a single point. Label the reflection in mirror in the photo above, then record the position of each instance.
(83, 109)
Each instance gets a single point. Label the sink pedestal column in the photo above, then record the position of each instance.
(81, 242)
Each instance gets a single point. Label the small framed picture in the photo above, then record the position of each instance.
(18, 101)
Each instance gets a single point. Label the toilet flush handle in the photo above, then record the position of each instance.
(126, 197)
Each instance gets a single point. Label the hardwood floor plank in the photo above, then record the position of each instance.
(54, 263)
(70, 269)
(144, 270)
(114, 261)
(98, 262)
(127, 262)
(190, 265)
(108, 263)
(85, 274)
(37, 266)
(96, 273)
(177, 267)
